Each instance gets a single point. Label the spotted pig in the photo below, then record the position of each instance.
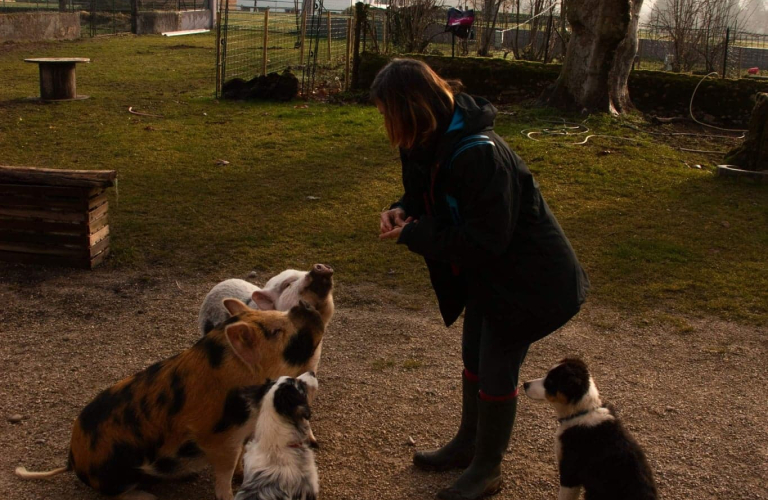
(175, 416)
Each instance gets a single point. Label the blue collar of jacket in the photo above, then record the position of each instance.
(457, 121)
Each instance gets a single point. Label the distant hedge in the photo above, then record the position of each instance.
(652, 92)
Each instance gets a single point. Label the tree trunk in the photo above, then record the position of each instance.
(490, 15)
(600, 52)
(753, 153)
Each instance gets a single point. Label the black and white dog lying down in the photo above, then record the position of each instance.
(593, 449)
(278, 463)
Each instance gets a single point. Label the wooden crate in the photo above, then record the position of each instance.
(52, 216)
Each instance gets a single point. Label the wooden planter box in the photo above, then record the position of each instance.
(52, 216)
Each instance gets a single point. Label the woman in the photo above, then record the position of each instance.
(493, 248)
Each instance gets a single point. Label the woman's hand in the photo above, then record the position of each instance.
(395, 233)
(392, 223)
(391, 219)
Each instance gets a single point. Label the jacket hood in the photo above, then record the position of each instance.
(471, 115)
(477, 113)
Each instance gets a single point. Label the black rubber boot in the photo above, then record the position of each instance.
(483, 476)
(459, 451)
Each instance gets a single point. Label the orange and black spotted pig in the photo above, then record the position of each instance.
(172, 418)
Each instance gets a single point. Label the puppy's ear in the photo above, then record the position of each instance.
(244, 342)
(302, 413)
(308, 383)
(573, 386)
(264, 299)
(235, 307)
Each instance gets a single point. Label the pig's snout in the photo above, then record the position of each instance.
(321, 270)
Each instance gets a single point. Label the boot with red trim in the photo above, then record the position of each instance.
(483, 476)
(458, 453)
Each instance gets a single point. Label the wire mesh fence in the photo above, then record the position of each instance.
(419, 28)
(730, 53)
(150, 5)
(97, 17)
(10, 6)
(102, 17)
(747, 54)
(541, 34)
(307, 39)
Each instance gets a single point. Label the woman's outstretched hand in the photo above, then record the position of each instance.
(392, 223)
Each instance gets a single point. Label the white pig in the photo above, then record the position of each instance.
(281, 292)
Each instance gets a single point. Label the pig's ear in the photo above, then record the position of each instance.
(264, 300)
(244, 342)
(235, 307)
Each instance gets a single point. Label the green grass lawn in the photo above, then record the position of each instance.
(655, 235)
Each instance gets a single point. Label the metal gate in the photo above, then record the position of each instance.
(265, 36)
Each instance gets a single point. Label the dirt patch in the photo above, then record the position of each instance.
(691, 390)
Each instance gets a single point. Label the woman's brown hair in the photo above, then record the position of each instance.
(415, 101)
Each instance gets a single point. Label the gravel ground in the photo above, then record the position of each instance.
(693, 396)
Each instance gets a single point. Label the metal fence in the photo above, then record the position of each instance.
(528, 36)
(729, 52)
(306, 38)
(542, 36)
(9, 6)
(150, 5)
(102, 17)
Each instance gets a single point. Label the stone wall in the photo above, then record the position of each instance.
(156, 22)
(39, 26)
(652, 92)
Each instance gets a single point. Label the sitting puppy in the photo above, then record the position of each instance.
(281, 292)
(172, 418)
(278, 464)
(593, 448)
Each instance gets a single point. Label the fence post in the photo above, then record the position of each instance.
(359, 21)
(725, 52)
(266, 39)
(385, 31)
(218, 54)
(303, 35)
(329, 36)
(134, 16)
(346, 57)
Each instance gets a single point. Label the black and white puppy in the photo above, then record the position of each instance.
(593, 449)
(278, 463)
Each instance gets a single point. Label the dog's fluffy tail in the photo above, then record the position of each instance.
(23, 473)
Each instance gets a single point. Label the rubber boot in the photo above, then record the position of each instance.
(483, 476)
(459, 451)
